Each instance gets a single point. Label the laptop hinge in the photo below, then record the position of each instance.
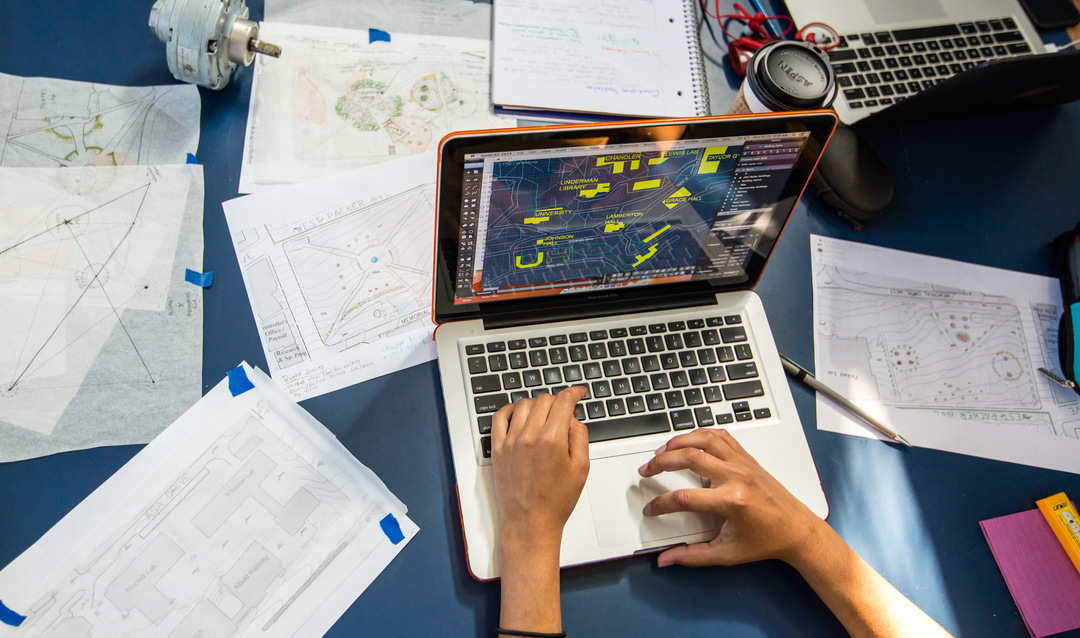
(593, 309)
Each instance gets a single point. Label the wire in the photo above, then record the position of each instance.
(712, 34)
(719, 63)
(1071, 44)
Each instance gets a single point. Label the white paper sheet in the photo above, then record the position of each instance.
(338, 272)
(458, 18)
(624, 57)
(48, 123)
(245, 517)
(334, 101)
(97, 316)
(945, 352)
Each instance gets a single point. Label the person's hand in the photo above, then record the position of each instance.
(758, 517)
(540, 454)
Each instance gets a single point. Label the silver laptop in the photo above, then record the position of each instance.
(891, 50)
(619, 257)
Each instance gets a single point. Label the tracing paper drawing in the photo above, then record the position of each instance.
(97, 316)
(338, 272)
(945, 352)
(245, 517)
(337, 102)
(457, 18)
(49, 123)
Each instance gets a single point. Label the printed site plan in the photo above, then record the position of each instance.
(947, 354)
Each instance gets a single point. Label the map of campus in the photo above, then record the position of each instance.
(575, 218)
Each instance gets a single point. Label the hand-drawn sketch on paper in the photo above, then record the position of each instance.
(339, 273)
(51, 123)
(339, 102)
(945, 352)
(97, 316)
(250, 522)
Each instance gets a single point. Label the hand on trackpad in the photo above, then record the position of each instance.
(617, 494)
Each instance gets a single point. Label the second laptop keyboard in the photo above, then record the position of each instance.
(878, 69)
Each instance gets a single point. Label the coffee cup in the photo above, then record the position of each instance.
(786, 76)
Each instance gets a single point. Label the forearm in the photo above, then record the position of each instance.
(864, 602)
(530, 586)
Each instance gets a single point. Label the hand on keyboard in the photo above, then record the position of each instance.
(761, 519)
(540, 454)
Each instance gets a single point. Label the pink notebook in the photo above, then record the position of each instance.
(1040, 576)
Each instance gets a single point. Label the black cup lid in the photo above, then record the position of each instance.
(795, 75)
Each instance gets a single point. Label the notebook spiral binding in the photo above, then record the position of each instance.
(698, 79)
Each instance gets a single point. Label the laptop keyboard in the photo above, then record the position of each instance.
(879, 69)
(641, 379)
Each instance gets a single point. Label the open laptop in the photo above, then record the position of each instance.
(893, 50)
(619, 256)
(1006, 84)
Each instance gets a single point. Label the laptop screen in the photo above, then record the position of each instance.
(542, 221)
(577, 219)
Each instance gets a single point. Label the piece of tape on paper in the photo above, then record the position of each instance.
(238, 381)
(377, 35)
(9, 617)
(201, 279)
(392, 529)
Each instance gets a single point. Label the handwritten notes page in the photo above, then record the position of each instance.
(626, 57)
(338, 272)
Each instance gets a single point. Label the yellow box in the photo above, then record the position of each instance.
(1060, 513)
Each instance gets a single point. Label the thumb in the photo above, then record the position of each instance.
(579, 443)
(695, 555)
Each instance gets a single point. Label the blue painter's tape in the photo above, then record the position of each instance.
(9, 617)
(377, 35)
(1075, 308)
(238, 381)
(201, 279)
(391, 528)
(191, 159)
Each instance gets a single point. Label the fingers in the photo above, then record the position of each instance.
(562, 410)
(500, 422)
(531, 417)
(718, 443)
(695, 555)
(700, 500)
(579, 443)
(690, 458)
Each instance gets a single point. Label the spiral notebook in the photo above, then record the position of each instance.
(597, 60)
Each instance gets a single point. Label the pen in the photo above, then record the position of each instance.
(800, 373)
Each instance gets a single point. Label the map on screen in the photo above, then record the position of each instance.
(540, 221)
(573, 218)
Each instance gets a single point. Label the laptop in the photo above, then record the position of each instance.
(621, 257)
(1010, 84)
(891, 51)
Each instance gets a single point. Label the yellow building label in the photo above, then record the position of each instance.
(710, 160)
(647, 184)
(593, 192)
(539, 260)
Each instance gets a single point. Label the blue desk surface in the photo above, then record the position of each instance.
(992, 190)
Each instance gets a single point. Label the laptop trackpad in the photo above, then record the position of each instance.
(617, 493)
